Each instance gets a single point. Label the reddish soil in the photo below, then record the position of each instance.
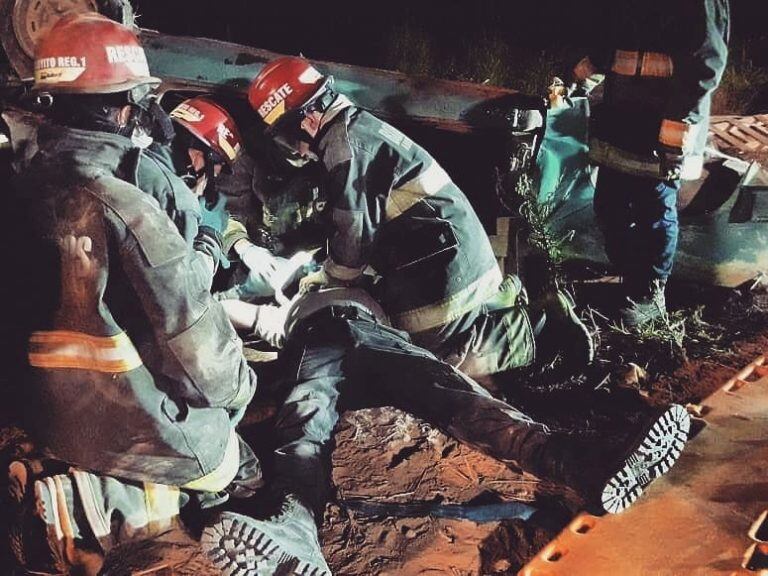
(386, 457)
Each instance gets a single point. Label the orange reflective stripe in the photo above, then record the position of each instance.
(650, 64)
(625, 63)
(677, 134)
(66, 349)
(656, 65)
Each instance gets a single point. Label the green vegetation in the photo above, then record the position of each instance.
(487, 57)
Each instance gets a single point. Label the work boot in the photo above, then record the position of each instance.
(564, 334)
(284, 544)
(616, 483)
(648, 305)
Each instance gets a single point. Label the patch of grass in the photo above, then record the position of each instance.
(537, 215)
(484, 57)
(743, 90)
(411, 50)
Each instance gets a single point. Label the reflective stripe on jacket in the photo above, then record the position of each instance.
(394, 208)
(662, 62)
(132, 369)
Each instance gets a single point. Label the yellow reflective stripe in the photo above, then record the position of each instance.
(162, 501)
(656, 65)
(652, 64)
(450, 308)
(66, 349)
(224, 474)
(92, 508)
(584, 69)
(340, 272)
(275, 113)
(678, 134)
(429, 182)
(49, 485)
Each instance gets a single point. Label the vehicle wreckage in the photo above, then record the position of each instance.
(486, 137)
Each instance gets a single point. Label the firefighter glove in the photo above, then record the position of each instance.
(270, 324)
(269, 274)
(313, 281)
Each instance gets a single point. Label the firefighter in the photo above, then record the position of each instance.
(341, 353)
(127, 373)
(393, 208)
(661, 62)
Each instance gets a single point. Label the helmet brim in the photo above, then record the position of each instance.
(109, 89)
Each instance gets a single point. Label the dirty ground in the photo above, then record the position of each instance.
(411, 500)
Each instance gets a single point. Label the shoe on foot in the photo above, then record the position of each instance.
(647, 306)
(565, 332)
(650, 455)
(285, 544)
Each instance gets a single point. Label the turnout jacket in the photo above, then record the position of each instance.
(394, 208)
(127, 366)
(661, 60)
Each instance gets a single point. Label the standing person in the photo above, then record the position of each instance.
(126, 372)
(341, 353)
(393, 208)
(661, 62)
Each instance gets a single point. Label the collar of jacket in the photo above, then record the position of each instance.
(339, 105)
(100, 151)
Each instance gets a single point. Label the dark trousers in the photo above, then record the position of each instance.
(638, 218)
(343, 359)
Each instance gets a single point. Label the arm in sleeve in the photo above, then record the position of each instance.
(353, 189)
(698, 68)
(199, 349)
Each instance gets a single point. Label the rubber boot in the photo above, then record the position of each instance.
(563, 334)
(612, 479)
(286, 543)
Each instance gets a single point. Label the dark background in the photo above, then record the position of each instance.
(515, 43)
(358, 32)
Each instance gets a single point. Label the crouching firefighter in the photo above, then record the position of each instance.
(128, 375)
(392, 207)
(661, 62)
(180, 169)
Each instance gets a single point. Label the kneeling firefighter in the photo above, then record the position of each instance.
(127, 373)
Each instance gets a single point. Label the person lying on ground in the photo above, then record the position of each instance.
(341, 352)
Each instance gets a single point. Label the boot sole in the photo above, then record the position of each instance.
(237, 548)
(653, 455)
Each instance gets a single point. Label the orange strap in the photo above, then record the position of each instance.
(648, 64)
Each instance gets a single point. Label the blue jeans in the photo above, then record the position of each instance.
(343, 362)
(638, 218)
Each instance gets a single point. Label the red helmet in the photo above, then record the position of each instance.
(284, 85)
(90, 54)
(211, 125)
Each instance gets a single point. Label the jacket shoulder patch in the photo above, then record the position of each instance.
(157, 237)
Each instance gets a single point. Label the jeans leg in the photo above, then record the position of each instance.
(614, 217)
(400, 374)
(657, 228)
(305, 424)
